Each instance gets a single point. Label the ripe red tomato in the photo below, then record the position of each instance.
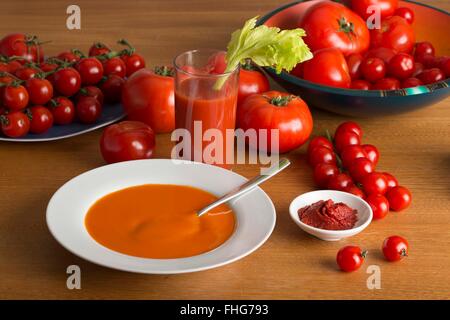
(340, 181)
(384, 54)
(127, 140)
(423, 48)
(386, 7)
(354, 63)
(344, 139)
(41, 119)
(321, 154)
(69, 56)
(67, 81)
(360, 168)
(410, 83)
(386, 84)
(62, 109)
(355, 191)
(360, 85)
(98, 48)
(405, 13)
(251, 81)
(15, 124)
(395, 33)
(348, 126)
(372, 153)
(350, 153)
(15, 97)
(91, 91)
(21, 45)
(391, 180)
(395, 248)
(133, 63)
(323, 172)
(375, 183)
(40, 91)
(319, 141)
(112, 88)
(327, 67)
(148, 96)
(399, 198)
(114, 66)
(88, 109)
(277, 110)
(332, 25)
(401, 66)
(379, 205)
(373, 69)
(443, 63)
(48, 66)
(90, 70)
(431, 76)
(350, 258)
(26, 72)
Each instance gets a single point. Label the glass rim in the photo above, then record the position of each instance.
(179, 69)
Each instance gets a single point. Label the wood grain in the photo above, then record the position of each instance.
(291, 265)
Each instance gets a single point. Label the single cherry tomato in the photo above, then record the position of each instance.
(411, 82)
(360, 85)
(350, 153)
(127, 140)
(90, 70)
(251, 81)
(423, 48)
(69, 56)
(405, 13)
(15, 97)
(354, 65)
(344, 139)
(350, 258)
(384, 54)
(395, 33)
(395, 248)
(111, 87)
(98, 48)
(418, 68)
(26, 72)
(91, 91)
(88, 109)
(372, 153)
(391, 180)
(323, 172)
(443, 63)
(373, 69)
(67, 81)
(48, 66)
(41, 119)
(340, 182)
(427, 60)
(355, 191)
(379, 205)
(401, 66)
(133, 63)
(21, 45)
(360, 168)
(399, 198)
(15, 124)
(114, 66)
(386, 84)
(348, 126)
(321, 154)
(62, 109)
(431, 76)
(40, 91)
(375, 183)
(319, 141)
(12, 66)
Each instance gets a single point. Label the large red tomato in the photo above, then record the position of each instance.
(148, 96)
(386, 7)
(18, 44)
(250, 82)
(277, 110)
(395, 33)
(327, 67)
(332, 25)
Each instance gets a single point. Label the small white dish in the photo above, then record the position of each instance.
(254, 212)
(364, 214)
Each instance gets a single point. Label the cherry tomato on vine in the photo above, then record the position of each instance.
(319, 141)
(344, 139)
(70, 56)
(114, 66)
(374, 183)
(405, 13)
(349, 126)
(26, 72)
(133, 63)
(395, 33)
(399, 198)
(340, 181)
(401, 66)
(391, 180)
(98, 49)
(359, 168)
(21, 45)
(355, 191)
(62, 109)
(41, 119)
(90, 70)
(321, 154)
(88, 109)
(386, 84)
(395, 248)
(91, 91)
(373, 69)
(323, 172)
(15, 97)
(15, 124)
(350, 153)
(67, 81)
(40, 91)
(372, 153)
(379, 205)
(111, 87)
(350, 258)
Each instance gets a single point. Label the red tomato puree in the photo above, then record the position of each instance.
(159, 221)
(328, 215)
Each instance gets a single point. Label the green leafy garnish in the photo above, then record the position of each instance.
(267, 47)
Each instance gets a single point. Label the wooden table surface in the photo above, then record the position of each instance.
(290, 265)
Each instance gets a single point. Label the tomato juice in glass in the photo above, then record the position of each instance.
(206, 98)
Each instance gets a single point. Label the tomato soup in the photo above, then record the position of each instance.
(159, 221)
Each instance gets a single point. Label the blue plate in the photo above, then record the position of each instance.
(110, 114)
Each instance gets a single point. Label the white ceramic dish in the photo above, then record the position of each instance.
(255, 213)
(365, 213)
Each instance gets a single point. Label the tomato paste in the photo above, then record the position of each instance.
(328, 215)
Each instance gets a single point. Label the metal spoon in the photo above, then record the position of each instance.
(247, 186)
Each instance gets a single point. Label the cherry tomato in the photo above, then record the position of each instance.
(98, 48)
(360, 167)
(90, 70)
(395, 248)
(88, 109)
(127, 140)
(443, 63)
(399, 198)
(360, 85)
(251, 82)
(418, 68)
(25, 72)
(386, 7)
(10, 66)
(375, 183)
(391, 180)
(48, 66)
(372, 153)
(41, 119)
(348, 126)
(423, 48)
(431, 76)
(340, 182)
(15, 97)
(40, 91)
(405, 13)
(21, 45)
(401, 66)
(379, 205)
(373, 69)
(114, 66)
(350, 153)
(354, 63)
(327, 67)
(323, 172)
(111, 87)
(332, 25)
(355, 191)
(350, 258)
(319, 141)
(384, 54)
(63, 110)
(91, 91)
(69, 56)
(386, 84)
(410, 83)
(321, 154)
(133, 63)
(344, 139)
(427, 60)
(67, 81)
(15, 124)
(395, 33)
(277, 110)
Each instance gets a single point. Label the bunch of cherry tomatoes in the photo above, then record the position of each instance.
(349, 55)
(344, 164)
(37, 93)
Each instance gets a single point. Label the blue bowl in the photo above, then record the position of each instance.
(430, 24)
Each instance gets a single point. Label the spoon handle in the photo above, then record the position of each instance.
(247, 186)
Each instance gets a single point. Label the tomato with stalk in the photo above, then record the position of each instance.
(350, 258)
(15, 124)
(20, 45)
(67, 81)
(395, 248)
(40, 90)
(111, 87)
(98, 49)
(395, 33)
(41, 119)
(15, 97)
(90, 70)
(62, 109)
